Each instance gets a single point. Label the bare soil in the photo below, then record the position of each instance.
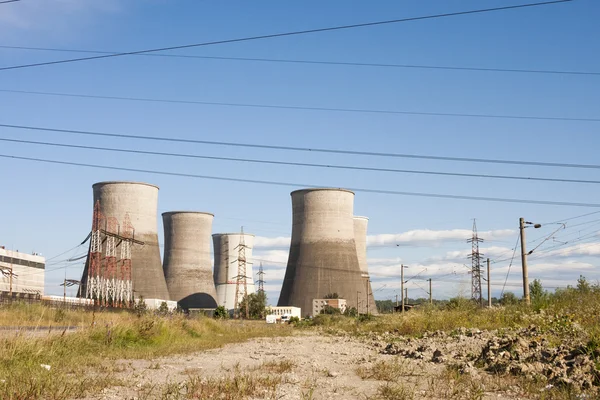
(323, 367)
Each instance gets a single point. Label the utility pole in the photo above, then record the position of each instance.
(489, 283)
(402, 286)
(368, 294)
(524, 262)
(396, 301)
(11, 273)
(357, 308)
(430, 296)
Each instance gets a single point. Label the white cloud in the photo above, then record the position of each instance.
(272, 258)
(276, 242)
(428, 236)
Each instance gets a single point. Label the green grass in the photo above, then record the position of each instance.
(83, 362)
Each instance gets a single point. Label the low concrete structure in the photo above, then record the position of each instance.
(281, 311)
(28, 271)
(320, 304)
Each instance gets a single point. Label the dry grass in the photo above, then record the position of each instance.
(389, 371)
(277, 367)
(394, 391)
(83, 362)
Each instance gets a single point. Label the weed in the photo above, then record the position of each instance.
(395, 392)
(383, 370)
(277, 367)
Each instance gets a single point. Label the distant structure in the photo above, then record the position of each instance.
(21, 275)
(475, 257)
(320, 304)
(134, 206)
(368, 304)
(226, 251)
(261, 279)
(187, 263)
(323, 258)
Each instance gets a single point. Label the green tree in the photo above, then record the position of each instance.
(221, 313)
(332, 296)
(163, 309)
(536, 290)
(508, 298)
(351, 312)
(257, 303)
(583, 285)
(330, 310)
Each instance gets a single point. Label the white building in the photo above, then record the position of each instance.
(320, 304)
(24, 272)
(285, 310)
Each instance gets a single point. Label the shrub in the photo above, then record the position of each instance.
(221, 313)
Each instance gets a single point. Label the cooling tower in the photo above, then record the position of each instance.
(226, 248)
(323, 258)
(360, 237)
(187, 262)
(140, 202)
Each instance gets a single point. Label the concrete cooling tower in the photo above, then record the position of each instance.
(323, 258)
(187, 262)
(138, 201)
(226, 249)
(360, 237)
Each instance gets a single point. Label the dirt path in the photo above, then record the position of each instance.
(309, 366)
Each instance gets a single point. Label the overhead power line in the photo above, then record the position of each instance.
(303, 185)
(8, 1)
(304, 108)
(321, 62)
(298, 164)
(301, 149)
(285, 34)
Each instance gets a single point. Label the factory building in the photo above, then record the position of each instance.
(226, 247)
(366, 303)
(323, 258)
(187, 262)
(320, 304)
(22, 274)
(132, 207)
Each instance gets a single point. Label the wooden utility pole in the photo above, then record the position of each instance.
(396, 300)
(524, 262)
(430, 296)
(489, 283)
(367, 282)
(406, 294)
(402, 285)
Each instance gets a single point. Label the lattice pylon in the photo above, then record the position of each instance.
(475, 257)
(126, 288)
(241, 278)
(95, 256)
(109, 278)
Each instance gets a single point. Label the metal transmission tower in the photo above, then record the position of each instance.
(93, 286)
(261, 282)
(125, 290)
(241, 281)
(108, 280)
(475, 257)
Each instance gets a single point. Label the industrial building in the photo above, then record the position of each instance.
(226, 247)
(320, 304)
(21, 274)
(281, 311)
(130, 208)
(366, 302)
(323, 258)
(187, 261)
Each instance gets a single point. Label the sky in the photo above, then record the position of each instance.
(47, 208)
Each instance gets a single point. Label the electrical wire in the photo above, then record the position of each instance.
(320, 62)
(510, 265)
(285, 34)
(299, 149)
(306, 108)
(299, 164)
(8, 1)
(290, 184)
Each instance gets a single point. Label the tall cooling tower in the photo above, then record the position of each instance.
(323, 258)
(360, 237)
(187, 262)
(226, 248)
(140, 202)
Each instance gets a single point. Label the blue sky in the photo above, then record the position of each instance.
(47, 208)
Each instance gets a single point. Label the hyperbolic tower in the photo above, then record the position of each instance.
(360, 237)
(226, 248)
(187, 262)
(323, 258)
(135, 205)
(475, 257)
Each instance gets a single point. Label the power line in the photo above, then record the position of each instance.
(299, 164)
(301, 149)
(322, 62)
(306, 108)
(510, 265)
(289, 184)
(8, 1)
(285, 34)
